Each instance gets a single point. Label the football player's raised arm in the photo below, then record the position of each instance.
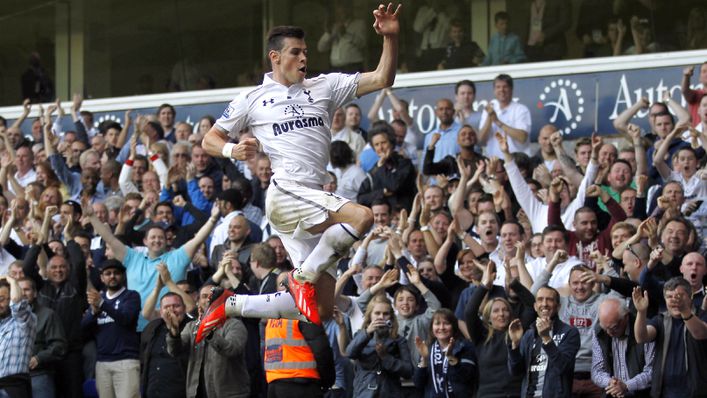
(386, 24)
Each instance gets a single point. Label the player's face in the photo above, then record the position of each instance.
(290, 63)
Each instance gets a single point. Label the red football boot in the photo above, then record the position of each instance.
(214, 317)
(305, 297)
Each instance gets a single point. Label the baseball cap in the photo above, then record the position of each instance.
(108, 264)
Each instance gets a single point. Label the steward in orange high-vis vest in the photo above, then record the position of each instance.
(298, 359)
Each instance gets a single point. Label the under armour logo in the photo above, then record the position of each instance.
(309, 96)
(271, 100)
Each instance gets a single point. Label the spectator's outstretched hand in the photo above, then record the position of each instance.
(597, 142)
(434, 140)
(422, 348)
(648, 228)
(76, 103)
(94, 299)
(489, 274)
(641, 184)
(515, 332)
(395, 242)
(451, 359)
(640, 299)
(503, 143)
(559, 257)
(26, 107)
(593, 191)
(215, 212)
(655, 257)
(179, 201)
(634, 131)
(425, 215)
(389, 279)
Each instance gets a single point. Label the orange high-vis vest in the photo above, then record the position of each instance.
(287, 354)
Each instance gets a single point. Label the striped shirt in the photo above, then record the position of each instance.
(600, 375)
(17, 333)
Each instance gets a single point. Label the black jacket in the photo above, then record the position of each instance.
(147, 340)
(635, 353)
(561, 352)
(696, 352)
(396, 176)
(67, 299)
(50, 341)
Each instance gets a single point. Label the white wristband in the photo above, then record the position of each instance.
(227, 150)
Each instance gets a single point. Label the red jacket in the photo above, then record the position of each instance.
(601, 243)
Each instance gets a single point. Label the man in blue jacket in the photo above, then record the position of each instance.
(545, 353)
(112, 318)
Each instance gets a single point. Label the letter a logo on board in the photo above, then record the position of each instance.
(564, 97)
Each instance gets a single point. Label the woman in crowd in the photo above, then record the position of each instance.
(393, 177)
(382, 357)
(489, 334)
(448, 366)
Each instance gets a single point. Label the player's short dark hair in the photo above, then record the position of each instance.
(279, 33)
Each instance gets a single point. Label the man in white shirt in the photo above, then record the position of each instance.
(506, 116)
(555, 239)
(25, 170)
(289, 116)
(346, 39)
(341, 132)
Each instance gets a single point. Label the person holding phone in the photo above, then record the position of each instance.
(381, 356)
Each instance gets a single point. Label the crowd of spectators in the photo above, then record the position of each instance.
(490, 269)
(438, 33)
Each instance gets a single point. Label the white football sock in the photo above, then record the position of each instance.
(334, 243)
(273, 305)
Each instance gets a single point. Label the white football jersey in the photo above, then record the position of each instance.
(292, 123)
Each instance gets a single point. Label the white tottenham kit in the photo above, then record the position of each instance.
(293, 126)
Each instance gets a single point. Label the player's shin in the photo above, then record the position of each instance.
(334, 243)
